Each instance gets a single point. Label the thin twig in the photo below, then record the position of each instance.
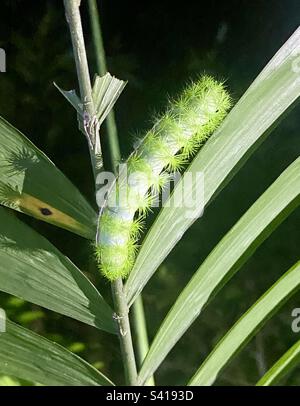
(110, 122)
(121, 309)
(84, 81)
(140, 328)
(122, 319)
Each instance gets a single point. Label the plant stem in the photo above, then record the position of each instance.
(122, 319)
(121, 315)
(74, 21)
(82, 68)
(97, 37)
(110, 122)
(138, 320)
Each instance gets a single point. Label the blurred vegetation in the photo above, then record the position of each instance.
(157, 47)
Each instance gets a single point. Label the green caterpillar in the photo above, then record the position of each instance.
(174, 138)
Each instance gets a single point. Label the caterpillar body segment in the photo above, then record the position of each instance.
(174, 138)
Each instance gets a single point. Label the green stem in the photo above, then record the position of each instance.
(121, 308)
(110, 122)
(122, 319)
(139, 322)
(82, 68)
(84, 81)
(97, 37)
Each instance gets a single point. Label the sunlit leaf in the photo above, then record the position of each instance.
(224, 261)
(33, 269)
(26, 355)
(285, 364)
(245, 328)
(246, 126)
(32, 184)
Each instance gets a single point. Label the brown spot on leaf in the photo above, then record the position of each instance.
(45, 211)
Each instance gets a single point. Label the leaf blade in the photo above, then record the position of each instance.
(26, 355)
(33, 269)
(244, 329)
(274, 90)
(284, 365)
(224, 261)
(32, 184)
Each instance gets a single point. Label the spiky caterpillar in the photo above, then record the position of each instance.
(176, 135)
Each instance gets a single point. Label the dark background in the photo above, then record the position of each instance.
(158, 46)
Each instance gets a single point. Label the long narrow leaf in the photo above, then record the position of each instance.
(32, 184)
(275, 89)
(26, 355)
(33, 269)
(246, 327)
(289, 361)
(224, 261)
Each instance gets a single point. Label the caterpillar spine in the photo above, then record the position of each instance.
(174, 138)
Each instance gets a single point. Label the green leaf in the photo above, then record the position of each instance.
(26, 355)
(31, 183)
(246, 327)
(33, 269)
(106, 91)
(8, 381)
(246, 126)
(72, 98)
(284, 365)
(224, 261)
